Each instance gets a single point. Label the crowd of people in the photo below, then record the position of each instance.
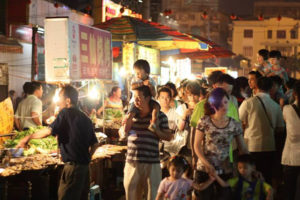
(220, 138)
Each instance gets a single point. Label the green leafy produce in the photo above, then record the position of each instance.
(44, 145)
(111, 113)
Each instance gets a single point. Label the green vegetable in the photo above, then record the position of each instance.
(111, 113)
(36, 145)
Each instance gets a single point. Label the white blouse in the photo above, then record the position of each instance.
(291, 151)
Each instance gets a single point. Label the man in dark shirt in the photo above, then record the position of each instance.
(77, 142)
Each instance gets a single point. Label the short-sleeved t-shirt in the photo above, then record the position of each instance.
(26, 107)
(244, 190)
(258, 134)
(75, 133)
(143, 145)
(175, 190)
(198, 112)
(217, 142)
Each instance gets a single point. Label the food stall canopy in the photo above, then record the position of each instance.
(148, 33)
(76, 52)
(215, 51)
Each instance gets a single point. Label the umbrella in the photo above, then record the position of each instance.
(215, 51)
(148, 33)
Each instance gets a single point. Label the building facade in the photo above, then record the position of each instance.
(275, 8)
(249, 36)
(198, 17)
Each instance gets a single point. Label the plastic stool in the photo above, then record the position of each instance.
(95, 193)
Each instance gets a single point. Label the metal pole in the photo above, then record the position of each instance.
(33, 53)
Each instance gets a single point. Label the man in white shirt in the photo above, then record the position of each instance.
(261, 117)
(29, 111)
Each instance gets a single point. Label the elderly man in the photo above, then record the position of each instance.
(142, 170)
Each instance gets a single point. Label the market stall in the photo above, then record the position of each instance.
(34, 175)
(83, 60)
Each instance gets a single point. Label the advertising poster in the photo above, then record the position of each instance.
(152, 56)
(76, 52)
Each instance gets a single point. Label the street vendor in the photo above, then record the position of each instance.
(29, 111)
(77, 142)
(113, 101)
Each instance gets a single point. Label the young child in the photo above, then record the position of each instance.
(177, 187)
(246, 186)
(142, 70)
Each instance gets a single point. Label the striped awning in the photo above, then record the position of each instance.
(152, 34)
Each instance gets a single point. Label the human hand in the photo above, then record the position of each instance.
(146, 82)
(209, 168)
(212, 177)
(258, 175)
(188, 112)
(194, 162)
(22, 143)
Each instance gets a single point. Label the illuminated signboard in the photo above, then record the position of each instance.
(111, 10)
(76, 52)
(209, 70)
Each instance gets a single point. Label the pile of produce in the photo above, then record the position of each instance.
(34, 162)
(45, 145)
(111, 113)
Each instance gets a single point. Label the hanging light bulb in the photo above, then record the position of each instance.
(56, 95)
(94, 93)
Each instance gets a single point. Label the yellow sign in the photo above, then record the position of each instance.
(6, 118)
(128, 56)
(152, 56)
(209, 70)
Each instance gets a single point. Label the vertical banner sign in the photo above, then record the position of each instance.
(128, 56)
(76, 52)
(95, 53)
(56, 50)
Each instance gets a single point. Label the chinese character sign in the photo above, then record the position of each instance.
(128, 56)
(152, 56)
(75, 52)
(95, 53)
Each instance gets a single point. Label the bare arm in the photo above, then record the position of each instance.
(100, 110)
(18, 124)
(221, 181)
(203, 186)
(39, 134)
(159, 196)
(192, 141)
(36, 119)
(163, 134)
(93, 148)
(198, 146)
(183, 118)
(269, 194)
(241, 144)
